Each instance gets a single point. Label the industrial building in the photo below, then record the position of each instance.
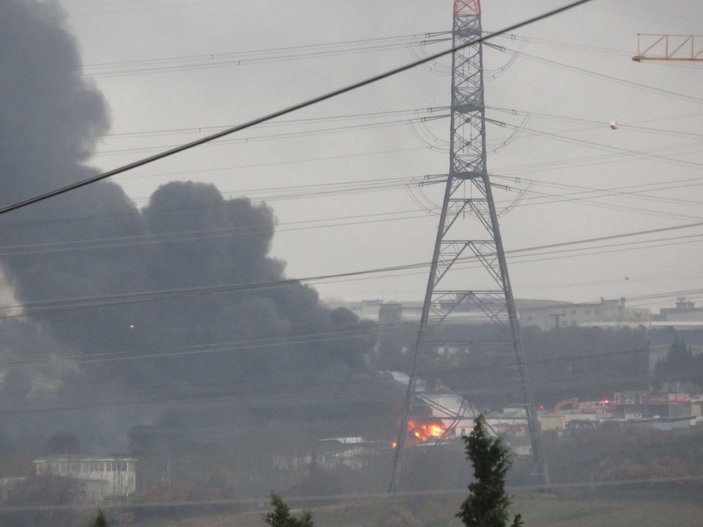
(105, 478)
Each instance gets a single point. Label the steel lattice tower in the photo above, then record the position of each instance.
(468, 229)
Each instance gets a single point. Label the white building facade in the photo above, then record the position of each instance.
(547, 317)
(105, 478)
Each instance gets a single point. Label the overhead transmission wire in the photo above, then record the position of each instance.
(367, 185)
(412, 112)
(590, 196)
(282, 382)
(609, 78)
(565, 45)
(170, 5)
(282, 112)
(564, 254)
(256, 343)
(246, 344)
(322, 394)
(619, 191)
(287, 135)
(98, 302)
(430, 110)
(643, 154)
(206, 234)
(589, 48)
(57, 305)
(415, 118)
(419, 115)
(278, 395)
(587, 161)
(582, 193)
(274, 123)
(260, 383)
(263, 165)
(634, 153)
(262, 56)
(208, 347)
(503, 173)
(630, 126)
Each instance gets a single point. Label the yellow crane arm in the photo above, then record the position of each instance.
(669, 47)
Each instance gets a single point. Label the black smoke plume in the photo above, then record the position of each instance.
(246, 349)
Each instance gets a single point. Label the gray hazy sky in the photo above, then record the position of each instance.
(550, 156)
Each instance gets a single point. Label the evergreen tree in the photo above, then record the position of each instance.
(487, 503)
(281, 516)
(680, 365)
(101, 521)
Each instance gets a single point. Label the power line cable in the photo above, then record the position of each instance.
(634, 125)
(619, 191)
(270, 55)
(600, 146)
(284, 111)
(206, 234)
(337, 157)
(320, 394)
(288, 135)
(600, 159)
(68, 304)
(148, 239)
(521, 259)
(282, 395)
(249, 344)
(609, 78)
(545, 198)
(282, 123)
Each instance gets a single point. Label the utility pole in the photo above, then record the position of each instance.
(468, 226)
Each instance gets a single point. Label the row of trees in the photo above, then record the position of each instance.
(588, 363)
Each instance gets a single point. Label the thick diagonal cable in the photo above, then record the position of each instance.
(284, 111)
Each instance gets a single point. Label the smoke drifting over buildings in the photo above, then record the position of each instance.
(95, 243)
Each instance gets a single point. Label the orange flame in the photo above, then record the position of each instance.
(424, 431)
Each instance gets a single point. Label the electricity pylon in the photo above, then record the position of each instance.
(468, 226)
(669, 47)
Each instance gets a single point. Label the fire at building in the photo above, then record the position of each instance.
(424, 431)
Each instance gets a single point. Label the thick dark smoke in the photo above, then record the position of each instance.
(96, 243)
